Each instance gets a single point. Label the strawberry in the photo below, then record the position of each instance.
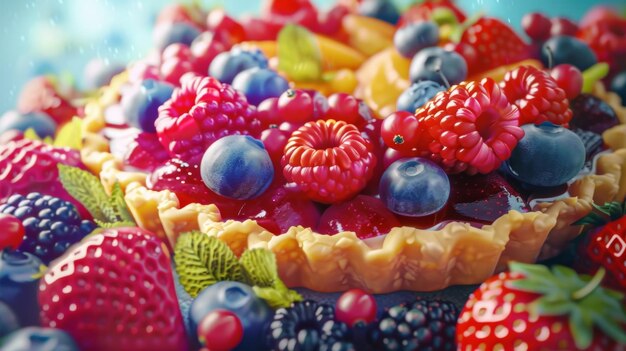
(496, 44)
(604, 244)
(41, 94)
(482, 198)
(115, 291)
(534, 308)
(328, 160)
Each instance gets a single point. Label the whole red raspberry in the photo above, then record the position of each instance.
(200, 112)
(537, 95)
(31, 166)
(607, 38)
(328, 160)
(472, 127)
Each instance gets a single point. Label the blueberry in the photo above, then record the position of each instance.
(39, 339)
(170, 33)
(19, 279)
(548, 155)
(254, 314)
(417, 95)
(618, 86)
(8, 320)
(227, 65)
(414, 187)
(425, 64)
(237, 167)
(258, 84)
(41, 123)
(99, 73)
(566, 49)
(416, 36)
(141, 103)
(383, 10)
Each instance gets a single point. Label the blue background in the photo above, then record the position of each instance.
(61, 36)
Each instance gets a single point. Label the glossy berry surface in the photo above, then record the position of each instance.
(200, 112)
(417, 95)
(618, 86)
(365, 215)
(237, 167)
(141, 104)
(225, 27)
(568, 78)
(274, 141)
(19, 278)
(425, 64)
(537, 26)
(40, 122)
(414, 187)
(548, 155)
(118, 293)
(227, 65)
(383, 10)
(563, 26)
(567, 49)
(253, 313)
(354, 306)
(592, 114)
(11, 232)
(421, 325)
(170, 33)
(204, 49)
(399, 131)
(415, 36)
(258, 84)
(8, 320)
(329, 161)
(220, 330)
(347, 108)
(39, 339)
(51, 225)
(295, 106)
(308, 325)
(145, 152)
(41, 94)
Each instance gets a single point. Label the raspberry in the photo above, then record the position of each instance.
(200, 112)
(472, 127)
(145, 152)
(607, 38)
(31, 166)
(537, 95)
(328, 160)
(51, 224)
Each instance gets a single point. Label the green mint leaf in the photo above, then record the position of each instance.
(86, 188)
(117, 202)
(277, 297)
(259, 267)
(202, 261)
(299, 54)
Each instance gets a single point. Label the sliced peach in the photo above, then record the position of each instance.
(368, 35)
(383, 80)
(336, 55)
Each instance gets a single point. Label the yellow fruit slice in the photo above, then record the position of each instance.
(387, 80)
(368, 35)
(336, 55)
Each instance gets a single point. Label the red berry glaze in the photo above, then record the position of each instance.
(568, 78)
(365, 215)
(537, 96)
(220, 330)
(328, 160)
(11, 232)
(537, 26)
(295, 106)
(355, 305)
(200, 112)
(470, 128)
(114, 291)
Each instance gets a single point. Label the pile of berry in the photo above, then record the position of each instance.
(358, 118)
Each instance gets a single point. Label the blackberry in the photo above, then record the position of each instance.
(592, 114)
(308, 326)
(423, 325)
(51, 224)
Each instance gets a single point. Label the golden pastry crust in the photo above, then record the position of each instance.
(404, 259)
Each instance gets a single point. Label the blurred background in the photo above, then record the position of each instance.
(61, 36)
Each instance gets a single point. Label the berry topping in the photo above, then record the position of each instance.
(237, 167)
(417, 95)
(482, 198)
(438, 65)
(31, 166)
(537, 26)
(51, 225)
(548, 155)
(568, 78)
(295, 106)
(145, 152)
(41, 95)
(354, 306)
(12, 232)
(365, 215)
(308, 325)
(563, 26)
(415, 36)
(117, 293)
(566, 49)
(471, 127)
(220, 330)
(421, 325)
(328, 160)
(537, 96)
(141, 103)
(200, 112)
(227, 65)
(592, 114)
